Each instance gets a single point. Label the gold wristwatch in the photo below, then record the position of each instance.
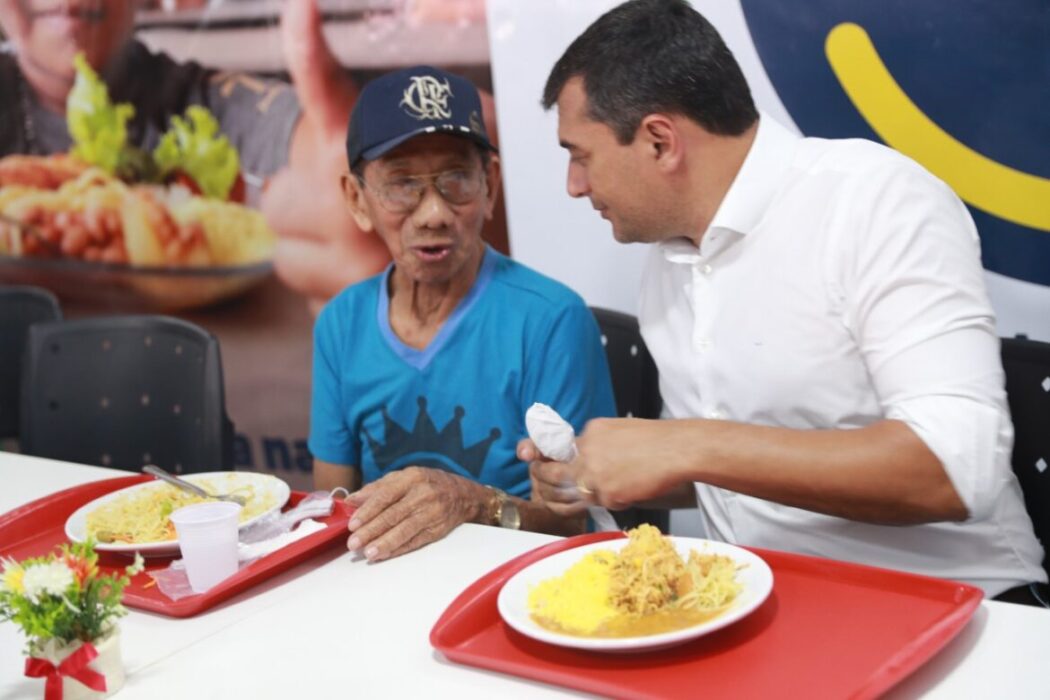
(504, 511)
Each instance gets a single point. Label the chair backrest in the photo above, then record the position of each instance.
(20, 307)
(126, 391)
(1027, 366)
(636, 387)
(636, 382)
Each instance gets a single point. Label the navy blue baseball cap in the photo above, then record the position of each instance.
(420, 100)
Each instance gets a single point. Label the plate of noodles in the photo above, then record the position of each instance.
(136, 519)
(637, 594)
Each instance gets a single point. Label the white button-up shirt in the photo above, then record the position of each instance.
(840, 284)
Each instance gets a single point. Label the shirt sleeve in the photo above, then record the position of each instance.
(918, 308)
(331, 439)
(567, 368)
(258, 116)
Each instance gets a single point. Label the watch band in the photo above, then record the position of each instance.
(503, 511)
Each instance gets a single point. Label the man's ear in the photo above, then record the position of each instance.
(354, 196)
(660, 137)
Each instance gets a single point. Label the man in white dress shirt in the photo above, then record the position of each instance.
(816, 308)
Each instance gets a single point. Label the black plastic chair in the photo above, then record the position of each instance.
(20, 307)
(636, 387)
(1027, 366)
(126, 391)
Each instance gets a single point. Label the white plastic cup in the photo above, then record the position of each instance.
(208, 539)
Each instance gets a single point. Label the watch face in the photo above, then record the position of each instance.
(509, 516)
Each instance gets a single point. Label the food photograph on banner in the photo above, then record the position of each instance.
(642, 349)
(184, 158)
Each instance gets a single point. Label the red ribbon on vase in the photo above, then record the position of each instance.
(75, 666)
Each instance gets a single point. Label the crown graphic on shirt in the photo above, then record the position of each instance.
(426, 446)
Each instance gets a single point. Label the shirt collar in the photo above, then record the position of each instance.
(759, 178)
(679, 250)
(752, 191)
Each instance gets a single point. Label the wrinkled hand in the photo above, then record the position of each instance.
(410, 508)
(553, 483)
(621, 461)
(320, 250)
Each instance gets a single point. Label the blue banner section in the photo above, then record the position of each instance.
(978, 69)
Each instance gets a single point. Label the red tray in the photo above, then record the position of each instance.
(38, 527)
(828, 630)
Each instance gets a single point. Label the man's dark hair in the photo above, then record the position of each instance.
(647, 56)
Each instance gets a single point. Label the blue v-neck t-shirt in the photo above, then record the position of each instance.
(459, 405)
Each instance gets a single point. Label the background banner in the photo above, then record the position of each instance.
(252, 264)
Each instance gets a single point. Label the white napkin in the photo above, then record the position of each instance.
(251, 552)
(556, 440)
(173, 582)
(553, 436)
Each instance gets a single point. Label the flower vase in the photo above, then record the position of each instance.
(109, 663)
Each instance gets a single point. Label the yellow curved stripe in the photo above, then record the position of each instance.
(1002, 191)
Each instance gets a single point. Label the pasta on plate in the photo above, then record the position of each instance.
(142, 516)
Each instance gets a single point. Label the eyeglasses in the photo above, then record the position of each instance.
(402, 195)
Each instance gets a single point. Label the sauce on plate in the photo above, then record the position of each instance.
(622, 626)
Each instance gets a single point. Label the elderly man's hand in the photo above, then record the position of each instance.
(410, 508)
(553, 483)
(320, 250)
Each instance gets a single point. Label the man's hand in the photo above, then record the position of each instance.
(410, 508)
(320, 250)
(625, 460)
(621, 461)
(553, 483)
(881, 473)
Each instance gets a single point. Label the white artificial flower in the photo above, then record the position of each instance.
(11, 576)
(52, 578)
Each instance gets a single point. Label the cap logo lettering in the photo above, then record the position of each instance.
(426, 98)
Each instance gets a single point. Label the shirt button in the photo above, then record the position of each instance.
(706, 269)
(702, 344)
(715, 414)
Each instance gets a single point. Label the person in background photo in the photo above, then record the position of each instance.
(422, 375)
(286, 135)
(816, 308)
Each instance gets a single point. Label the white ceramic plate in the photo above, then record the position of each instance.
(755, 576)
(223, 482)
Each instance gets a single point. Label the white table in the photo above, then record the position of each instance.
(337, 624)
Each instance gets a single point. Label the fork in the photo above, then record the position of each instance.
(192, 488)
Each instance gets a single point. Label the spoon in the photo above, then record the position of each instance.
(192, 488)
